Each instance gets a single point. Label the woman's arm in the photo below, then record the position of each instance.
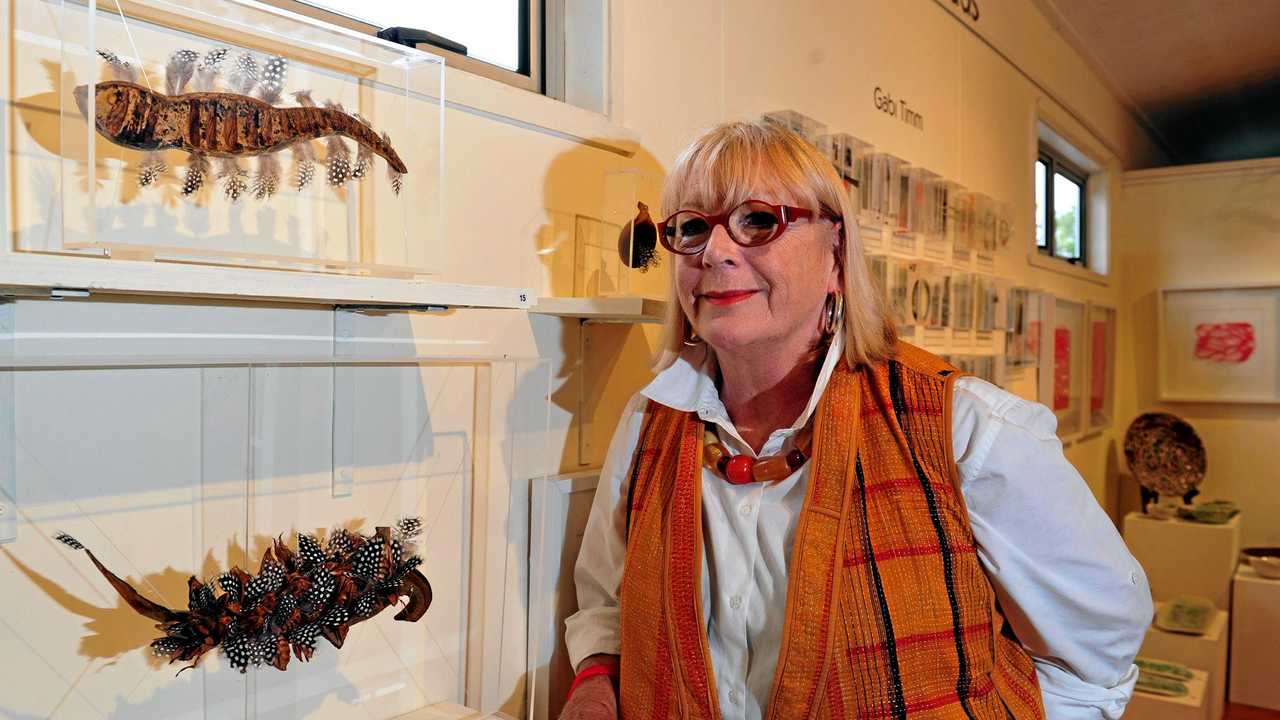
(594, 628)
(1068, 585)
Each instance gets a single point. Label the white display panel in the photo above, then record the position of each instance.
(173, 453)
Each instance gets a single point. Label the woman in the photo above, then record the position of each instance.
(906, 543)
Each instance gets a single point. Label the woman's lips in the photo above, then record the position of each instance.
(727, 297)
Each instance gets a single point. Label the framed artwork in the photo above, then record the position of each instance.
(1102, 365)
(1218, 344)
(1062, 362)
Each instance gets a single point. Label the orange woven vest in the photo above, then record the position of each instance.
(889, 612)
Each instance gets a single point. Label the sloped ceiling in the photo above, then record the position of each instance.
(1202, 75)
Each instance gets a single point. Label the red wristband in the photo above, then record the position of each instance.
(610, 669)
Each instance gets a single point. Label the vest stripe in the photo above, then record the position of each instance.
(906, 551)
(897, 705)
(984, 689)
(918, 638)
(899, 410)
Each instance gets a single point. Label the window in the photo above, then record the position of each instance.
(500, 39)
(1061, 191)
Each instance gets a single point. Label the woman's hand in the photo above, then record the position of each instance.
(594, 698)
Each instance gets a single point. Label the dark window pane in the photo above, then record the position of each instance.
(489, 28)
(1040, 203)
(1067, 195)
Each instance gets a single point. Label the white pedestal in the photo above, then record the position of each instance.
(1185, 558)
(1207, 651)
(1158, 707)
(1255, 640)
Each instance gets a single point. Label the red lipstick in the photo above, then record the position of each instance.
(727, 297)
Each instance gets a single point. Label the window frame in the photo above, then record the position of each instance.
(1056, 164)
(532, 39)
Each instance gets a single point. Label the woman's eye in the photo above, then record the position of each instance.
(759, 220)
(693, 228)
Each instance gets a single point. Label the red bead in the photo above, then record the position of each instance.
(795, 459)
(738, 471)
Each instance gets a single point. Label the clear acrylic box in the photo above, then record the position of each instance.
(189, 441)
(849, 156)
(1062, 368)
(257, 181)
(1022, 347)
(799, 123)
(610, 250)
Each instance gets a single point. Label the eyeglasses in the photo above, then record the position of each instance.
(751, 224)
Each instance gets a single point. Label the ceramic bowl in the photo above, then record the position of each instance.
(1265, 561)
(1164, 453)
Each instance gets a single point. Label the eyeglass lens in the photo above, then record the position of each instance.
(751, 223)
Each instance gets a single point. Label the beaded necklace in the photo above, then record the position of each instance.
(743, 469)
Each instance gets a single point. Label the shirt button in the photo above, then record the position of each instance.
(735, 602)
(734, 697)
(745, 509)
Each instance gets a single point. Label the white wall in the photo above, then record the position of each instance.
(520, 167)
(1203, 225)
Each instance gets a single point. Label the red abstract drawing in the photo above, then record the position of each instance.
(1061, 368)
(1098, 385)
(1225, 342)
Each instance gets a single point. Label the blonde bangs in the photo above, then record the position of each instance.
(723, 167)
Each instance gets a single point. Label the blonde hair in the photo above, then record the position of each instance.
(716, 172)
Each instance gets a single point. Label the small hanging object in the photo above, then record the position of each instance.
(638, 241)
(743, 469)
(296, 597)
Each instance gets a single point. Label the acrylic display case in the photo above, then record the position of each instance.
(1063, 369)
(189, 441)
(850, 157)
(895, 279)
(1022, 320)
(799, 123)
(962, 302)
(611, 250)
(1102, 366)
(273, 141)
(883, 192)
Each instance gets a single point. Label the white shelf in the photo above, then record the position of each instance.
(629, 308)
(1145, 706)
(100, 275)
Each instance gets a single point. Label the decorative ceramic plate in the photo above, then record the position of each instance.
(1186, 614)
(1164, 453)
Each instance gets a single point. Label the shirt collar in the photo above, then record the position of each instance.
(689, 385)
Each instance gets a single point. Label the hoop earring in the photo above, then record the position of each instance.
(693, 340)
(833, 316)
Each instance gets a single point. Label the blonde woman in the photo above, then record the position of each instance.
(803, 517)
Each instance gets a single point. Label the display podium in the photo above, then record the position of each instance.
(1182, 557)
(1206, 652)
(1193, 706)
(1255, 639)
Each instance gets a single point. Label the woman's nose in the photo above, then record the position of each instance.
(720, 249)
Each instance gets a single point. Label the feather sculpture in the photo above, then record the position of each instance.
(245, 123)
(296, 597)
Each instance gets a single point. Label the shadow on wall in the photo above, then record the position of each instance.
(589, 194)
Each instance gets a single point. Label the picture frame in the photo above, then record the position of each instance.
(1101, 335)
(1218, 344)
(1063, 371)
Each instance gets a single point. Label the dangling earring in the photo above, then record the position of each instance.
(833, 317)
(693, 340)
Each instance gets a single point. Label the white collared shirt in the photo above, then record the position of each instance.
(1076, 598)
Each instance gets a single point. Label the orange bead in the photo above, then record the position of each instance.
(738, 471)
(771, 468)
(711, 454)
